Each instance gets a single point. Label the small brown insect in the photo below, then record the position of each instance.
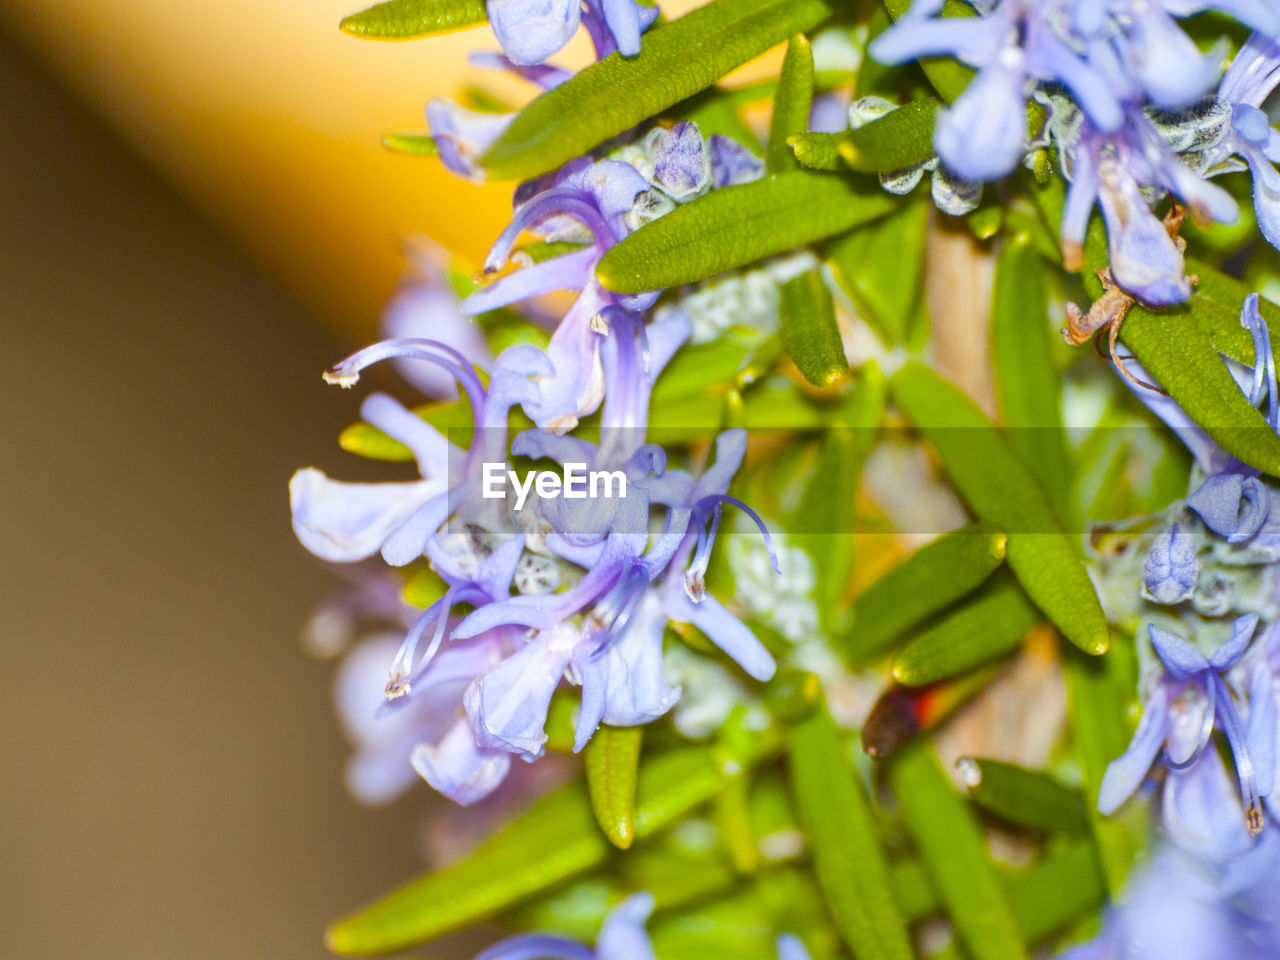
(1109, 310)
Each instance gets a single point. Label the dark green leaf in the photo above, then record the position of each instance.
(1179, 354)
(612, 758)
(926, 582)
(1057, 889)
(407, 19)
(676, 61)
(844, 839)
(790, 104)
(880, 268)
(1028, 798)
(553, 840)
(987, 473)
(1028, 384)
(807, 315)
(948, 77)
(951, 847)
(987, 626)
(736, 226)
(414, 144)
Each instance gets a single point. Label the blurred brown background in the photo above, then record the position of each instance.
(171, 765)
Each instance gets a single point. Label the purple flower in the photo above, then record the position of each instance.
(463, 135)
(622, 937)
(532, 30)
(345, 522)
(731, 162)
(1194, 687)
(1253, 75)
(983, 135)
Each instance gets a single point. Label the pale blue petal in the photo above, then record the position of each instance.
(458, 768)
(532, 30)
(623, 936)
(345, 522)
(1125, 773)
(1181, 659)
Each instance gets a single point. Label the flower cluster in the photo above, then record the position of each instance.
(1210, 581)
(577, 590)
(1132, 115)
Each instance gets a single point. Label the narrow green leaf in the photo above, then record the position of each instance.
(1099, 692)
(817, 151)
(733, 822)
(676, 61)
(989, 625)
(896, 140)
(413, 144)
(1028, 798)
(1179, 354)
(1057, 889)
(1217, 303)
(553, 840)
(844, 839)
(807, 315)
(612, 759)
(951, 847)
(993, 480)
(736, 226)
(948, 76)
(927, 581)
(366, 440)
(880, 267)
(790, 104)
(408, 19)
(1028, 384)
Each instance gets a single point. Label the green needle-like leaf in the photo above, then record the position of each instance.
(553, 840)
(736, 226)
(927, 581)
(951, 847)
(880, 268)
(896, 140)
(1056, 890)
(1028, 798)
(676, 60)
(790, 104)
(948, 76)
(413, 144)
(1028, 384)
(612, 759)
(409, 19)
(1179, 354)
(807, 315)
(987, 626)
(844, 838)
(999, 488)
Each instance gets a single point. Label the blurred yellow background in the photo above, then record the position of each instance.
(267, 117)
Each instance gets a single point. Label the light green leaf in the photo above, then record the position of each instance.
(790, 104)
(950, 842)
(948, 76)
(989, 625)
(553, 840)
(676, 60)
(408, 19)
(738, 225)
(413, 144)
(880, 268)
(993, 480)
(927, 581)
(844, 841)
(1217, 303)
(1028, 798)
(732, 816)
(612, 758)
(1028, 384)
(366, 440)
(807, 315)
(817, 151)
